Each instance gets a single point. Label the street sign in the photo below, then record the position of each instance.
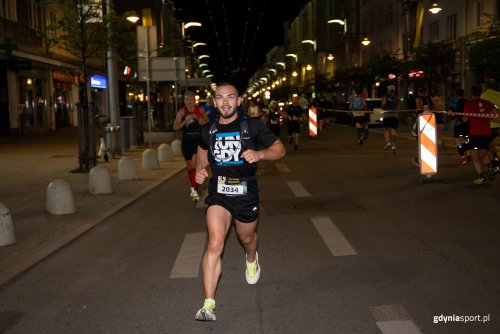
(162, 69)
(147, 41)
(195, 82)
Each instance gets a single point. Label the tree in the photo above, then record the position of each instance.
(436, 59)
(82, 32)
(485, 54)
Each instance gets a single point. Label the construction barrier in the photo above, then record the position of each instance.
(427, 144)
(313, 122)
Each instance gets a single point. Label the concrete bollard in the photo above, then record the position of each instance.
(165, 153)
(176, 147)
(7, 236)
(150, 159)
(126, 169)
(59, 198)
(99, 181)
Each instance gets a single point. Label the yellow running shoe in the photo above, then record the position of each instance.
(252, 273)
(206, 313)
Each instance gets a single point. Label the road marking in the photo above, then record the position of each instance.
(187, 263)
(298, 189)
(393, 319)
(281, 167)
(333, 238)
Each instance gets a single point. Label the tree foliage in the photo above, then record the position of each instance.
(82, 29)
(485, 53)
(436, 59)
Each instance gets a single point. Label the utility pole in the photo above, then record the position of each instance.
(406, 49)
(114, 103)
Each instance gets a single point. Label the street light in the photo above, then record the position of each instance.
(435, 8)
(199, 44)
(366, 41)
(292, 55)
(341, 22)
(309, 41)
(132, 16)
(188, 25)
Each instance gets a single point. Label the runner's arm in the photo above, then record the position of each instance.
(273, 152)
(201, 165)
(179, 122)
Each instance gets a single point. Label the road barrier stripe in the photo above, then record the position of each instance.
(427, 143)
(187, 263)
(333, 238)
(298, 189)
(313, 122)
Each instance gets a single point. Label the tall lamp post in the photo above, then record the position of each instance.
(342, 22)
(114, 111)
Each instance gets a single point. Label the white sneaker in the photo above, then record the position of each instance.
(207, 312)
(252, 272)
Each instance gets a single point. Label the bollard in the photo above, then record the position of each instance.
(59, 198)
(7, 236)
(99, 181)
(165, 153)
(150, 160)
(176, 147)
(126, 169)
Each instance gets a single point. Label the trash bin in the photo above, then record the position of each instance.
(111, 133)
(128, 137)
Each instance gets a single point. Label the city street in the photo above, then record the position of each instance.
(351, 240)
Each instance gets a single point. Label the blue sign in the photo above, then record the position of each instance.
(98, 81)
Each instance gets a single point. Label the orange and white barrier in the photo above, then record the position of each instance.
(313, 122)
(427, 147)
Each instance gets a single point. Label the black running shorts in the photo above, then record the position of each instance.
(189, 146)
(244, 208)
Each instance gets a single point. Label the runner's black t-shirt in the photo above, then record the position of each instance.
(225, 147)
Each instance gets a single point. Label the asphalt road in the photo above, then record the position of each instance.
(352, 240)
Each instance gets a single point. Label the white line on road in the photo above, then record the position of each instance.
(281, 167)
(188, 260)
(393, 319)
(333, 238)
(298, 189)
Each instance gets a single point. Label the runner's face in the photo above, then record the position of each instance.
(189, 100)
(227, 101)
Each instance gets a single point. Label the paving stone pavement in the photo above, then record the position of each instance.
(29, 164)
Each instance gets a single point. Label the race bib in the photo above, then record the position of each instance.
(231, 186)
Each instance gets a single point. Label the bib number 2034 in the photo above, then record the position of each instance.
(231, 189)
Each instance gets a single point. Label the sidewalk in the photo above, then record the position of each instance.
(29, 164)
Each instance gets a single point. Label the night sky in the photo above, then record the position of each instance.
(239, 33)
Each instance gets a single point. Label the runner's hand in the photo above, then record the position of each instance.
(251, 156)
(201, 175)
